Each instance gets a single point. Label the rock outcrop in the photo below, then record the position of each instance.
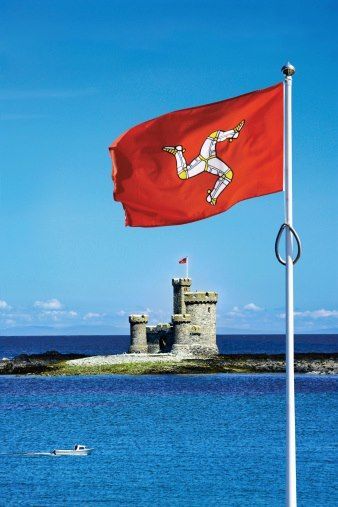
(34, 363)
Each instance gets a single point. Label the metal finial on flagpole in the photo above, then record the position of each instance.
(291, 495)
(288, 69)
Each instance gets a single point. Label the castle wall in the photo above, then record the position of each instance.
(160, 338)
(153, 340)
(181, 286)
(138, 335)
(201, 306)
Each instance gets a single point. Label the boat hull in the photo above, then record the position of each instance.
(61, 452)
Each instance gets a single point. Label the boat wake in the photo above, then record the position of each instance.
(27, 454)
(37, 454)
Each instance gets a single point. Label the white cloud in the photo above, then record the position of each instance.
(318, 314)
(57, 315)
(93, 315)
(16, 316)
(314, 314)
(235, 312)
(252, 307)
(50, 304)
(4, 305)
(121, 313)
(242, 311)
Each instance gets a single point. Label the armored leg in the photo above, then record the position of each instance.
(181, 163)
(220, 185)
(185, 171)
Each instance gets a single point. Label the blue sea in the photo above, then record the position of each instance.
(171, 440)
(117, 344)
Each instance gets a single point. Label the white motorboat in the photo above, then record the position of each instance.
(79, 450)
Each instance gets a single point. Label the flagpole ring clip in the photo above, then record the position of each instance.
(296, 237)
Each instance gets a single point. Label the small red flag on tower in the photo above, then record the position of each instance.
(183, 261)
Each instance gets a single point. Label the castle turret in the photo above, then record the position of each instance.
(182, 329)
(181, 286)
(201, 306)
(138, 334)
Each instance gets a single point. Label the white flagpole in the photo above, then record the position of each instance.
(291, 496)
(187, 268)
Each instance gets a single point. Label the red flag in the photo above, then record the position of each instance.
(183, 261)
(198, 162)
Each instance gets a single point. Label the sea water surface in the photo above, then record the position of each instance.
(171, 440)
(11, 346)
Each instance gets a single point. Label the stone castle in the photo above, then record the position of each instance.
(192, 330)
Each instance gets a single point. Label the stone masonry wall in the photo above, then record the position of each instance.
(181, 286)
(182, 333)
(138, 334)
(202, 308)
(160, 338)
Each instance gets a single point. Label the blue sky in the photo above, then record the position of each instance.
(75, 74)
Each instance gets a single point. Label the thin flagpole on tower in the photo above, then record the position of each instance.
(291, 495)
(187, 268)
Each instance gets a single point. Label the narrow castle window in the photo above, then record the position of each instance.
(208, 309)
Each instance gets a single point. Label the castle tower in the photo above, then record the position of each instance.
(182, 338)
(201, 306)
(181, 286)
(138, 334)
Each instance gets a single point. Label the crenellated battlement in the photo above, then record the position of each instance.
(159, 328)
(180, 318)
(184, 282)
(138, 319)
(200, 297)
